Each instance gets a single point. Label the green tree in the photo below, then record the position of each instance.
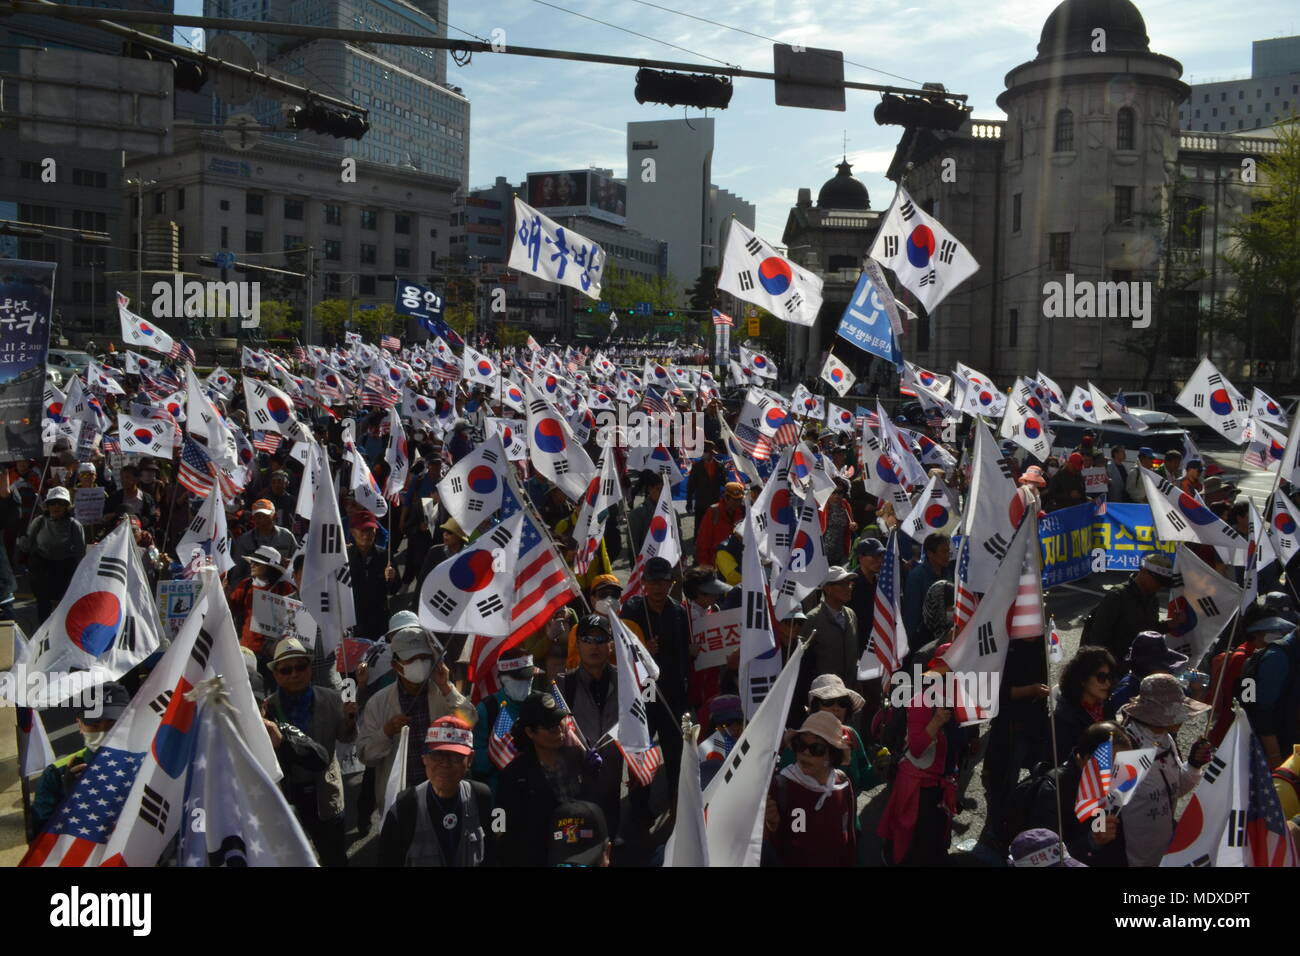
(623, 290)
(279, 318)
(703, 296)
(331, 316)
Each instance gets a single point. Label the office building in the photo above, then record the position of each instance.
(1271, 94)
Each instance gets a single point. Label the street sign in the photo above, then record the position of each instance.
(752, 328)
(602, 307)
(224, 260)
(813, 79)
(644, 308)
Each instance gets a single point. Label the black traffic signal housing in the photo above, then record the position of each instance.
(933, 111)
(187, 74)
(316, 117)
(703, 91)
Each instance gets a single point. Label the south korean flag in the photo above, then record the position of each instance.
(924, 256)
(471, 490)
(511, 433)
(1284, 527)
(839, 419)
(479, 369)
(881, 475)
(934, 512)
(1214, 400)
(754, 272)
(1201, 603)
(805, 404)
(473, 591)
(271, 410)
(144, 436)
(1265, 409)
(1025, 422)
(1182, 516)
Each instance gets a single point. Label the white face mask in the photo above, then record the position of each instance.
(516, 688)
(605, 605)
(94, 738)
(417, 672)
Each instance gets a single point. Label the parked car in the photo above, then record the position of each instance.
(1136, 400)
(1160, 438)
(69, 361)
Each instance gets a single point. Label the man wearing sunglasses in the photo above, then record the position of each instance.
(320, 714)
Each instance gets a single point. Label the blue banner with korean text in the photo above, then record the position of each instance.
(1127, 533)
(866, 323)
(26, 305)
(1069, 539)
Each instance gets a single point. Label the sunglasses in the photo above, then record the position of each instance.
(815, 749)
(292, 669)
(1102, 677)
(845, 702)
(596, 638)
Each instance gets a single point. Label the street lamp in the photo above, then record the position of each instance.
(139, 183)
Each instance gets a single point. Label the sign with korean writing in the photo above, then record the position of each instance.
(552, 252)
(1076, 541)
(1127, 534)
(26, 304)
(1065, 539)
(717, 636)
(175, 600)
(752, 326)
(866, 322)
(88, 504)
(277, 616)
(1095, 481)
(419, 302)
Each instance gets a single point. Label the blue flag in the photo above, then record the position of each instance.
(866, 323)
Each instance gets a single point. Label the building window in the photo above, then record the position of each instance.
(369, 219)
(1241, 94)
(1223, 97)
(293, 209)
(1189, 214)
(1124, 205)
(252, 240)
(333, 250)
(253, 204)
(1125, 124)
(1184, 324)
(224, 205)
(333, 215)
(366, 285)
(333, 283)
(89, 221)
(28, 170)
(401, 258)
(368, 254)
(1063, 141)
(293, 243)
(433, 260)
(38, 215)
(402, 224)
(1013, 326)
(1058, 251)
(1015, 212)
(159, 203)
(90, 177)
(180, 199)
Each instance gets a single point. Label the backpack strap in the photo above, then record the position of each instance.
(1282, 773)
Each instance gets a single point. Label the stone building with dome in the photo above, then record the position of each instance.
(1088, 175)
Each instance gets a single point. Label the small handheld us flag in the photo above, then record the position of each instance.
(1094, 784)
(501, 743)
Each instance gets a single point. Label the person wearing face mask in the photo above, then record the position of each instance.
(516, 674)
(264, 574)
(421, 693)
(95, 721)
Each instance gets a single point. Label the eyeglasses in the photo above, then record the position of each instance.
(814, 749)
(292, 669)
(1102, 677)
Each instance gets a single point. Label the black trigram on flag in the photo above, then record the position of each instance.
(997, 546)
(457, 486)
(490, 456)
(759, 687)
(928, 278)
(261, 416)
(561, 466)
(114, 568)
(947, 249)
(198, 524)
(490, 605)
(441, 603)
(331, 540)
(1236, 827)
(260, 390)
(1005, 467)
(154, 809)
(1198, 400)
(475, 504)
(746, 279)
(607, 487)
(891, 246)
(907, 210)
(987, 644)
(1202, 860)
(500, 536)
(1216, 379)
(1229, 424)
(202, 648)
(793, 303)
(737, 756)
(753, 247)
(1212, 770)
(1145, 762)
(1173, 519)
(538, 406)
(159, 704)
(126, 640)
(1208, 607)
(638, 711)
(755, 609)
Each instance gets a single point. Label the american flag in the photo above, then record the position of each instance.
(1027, 611)
(197, 472)
(721, 318)
(443, 371)
(571, 735)
(864, 417)
(787, 434)
(1094, 784)
(299, 353)
(375, 392)
(756, 445)
(170, 379)
(887, 621)
(643, 765)
(654, 401)
(111, 445)
(634, 580)
(967, 600)
(501, 743)
(87, 818)
(182, 353)
(390, 342)
(1268, 841)
(267, 441)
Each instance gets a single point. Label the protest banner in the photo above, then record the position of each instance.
(1095, 481)
(26, 306)
(276, 616)
(88, 504)
(175, 600)
(717, 636)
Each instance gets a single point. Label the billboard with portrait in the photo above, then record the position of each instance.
(578, 192)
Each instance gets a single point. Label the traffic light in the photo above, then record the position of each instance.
(926, 112)
(187, 74)
(683, 89)
(317, 118)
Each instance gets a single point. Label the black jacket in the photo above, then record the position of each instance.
(398, 829)
(1119, 618)
(672, 631)
(702, 491)
(1063, 785)
(1071, 721)
(527, 801)
(370, 591)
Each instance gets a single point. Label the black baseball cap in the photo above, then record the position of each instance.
(539, 709)
(658, 569)
(578, 834)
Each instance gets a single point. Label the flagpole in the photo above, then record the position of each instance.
(1051, 729)
(544, 528)
(1218, 682)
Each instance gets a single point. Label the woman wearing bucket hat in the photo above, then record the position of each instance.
(55, 543)
(829, 694)
(1153, 719)
(809, 820)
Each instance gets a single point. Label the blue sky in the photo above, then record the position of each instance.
(532, 114)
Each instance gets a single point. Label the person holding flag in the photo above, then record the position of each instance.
(93, 723)
(810, 818)
(55, 543)
(515, 674)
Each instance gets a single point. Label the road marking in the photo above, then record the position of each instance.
(1075, 587)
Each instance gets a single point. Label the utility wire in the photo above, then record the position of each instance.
(634, 33)
(727, 26)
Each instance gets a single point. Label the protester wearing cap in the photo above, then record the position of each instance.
(516, 674)
(664, 628)
(1134, 487)
(717, 523)
(104, 704)
(130, 499)
(442, 820)
(373, 576)
(834, 650)
(265, 573)
(1066, 487)
(1173, 465)
(1149, 653)
(264, 533)
(276, 492)
(1153, 719)
(547, 772)
(1040, 847)
(451, 541)
(829, 694)
(55, 543)
(1193, 472)
(579, 835)
(1275, 712)
(315, 791)
(937, 550)
(704, 485)
(809, 819)
(702, 593)
(1029, 494)
(1127, 611)
(421, 693)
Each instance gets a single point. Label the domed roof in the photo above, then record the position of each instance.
(1069, 28)
(842, 191)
